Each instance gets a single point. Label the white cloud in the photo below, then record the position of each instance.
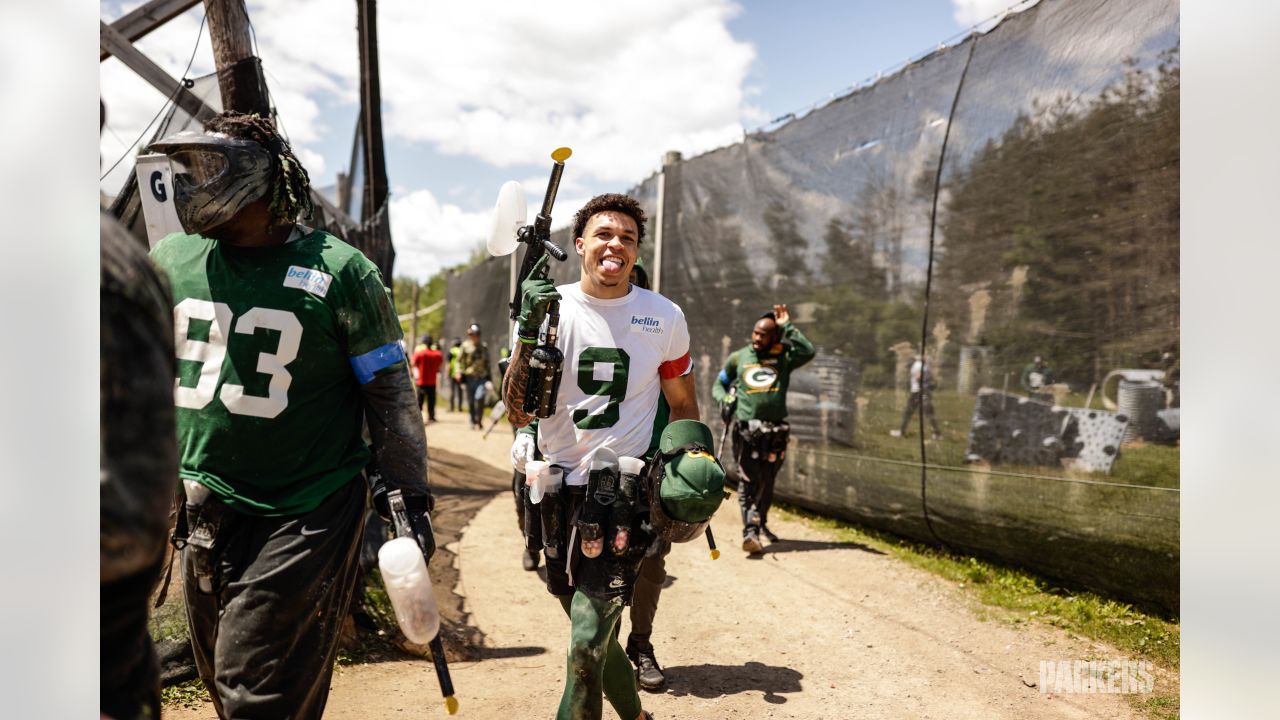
(430, 235)
(500, 83)
(620, 83)
(972, 12)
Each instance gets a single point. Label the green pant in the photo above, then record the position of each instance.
(597, 663)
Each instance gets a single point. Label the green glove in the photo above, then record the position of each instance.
(536, 294)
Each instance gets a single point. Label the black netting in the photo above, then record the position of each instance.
(1053, 232)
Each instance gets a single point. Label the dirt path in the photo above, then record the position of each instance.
(813, 629)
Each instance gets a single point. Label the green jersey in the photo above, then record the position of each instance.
(273, 345)
(761, 379)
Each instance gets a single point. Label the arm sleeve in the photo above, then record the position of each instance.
(801, 349)
(368, 324)
(395, 428)
(372, 335)
(724, 381)
(676, 362)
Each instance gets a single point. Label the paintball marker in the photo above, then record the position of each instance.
(726, 414)
(495, 416)
(711, 543)
(404, 571)
(546, 363)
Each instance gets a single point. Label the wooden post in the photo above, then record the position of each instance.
(413, 324)
(375, 169)
(239, 70)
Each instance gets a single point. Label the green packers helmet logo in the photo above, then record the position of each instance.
(758, 378)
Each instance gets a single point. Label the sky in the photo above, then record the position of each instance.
(478, 93)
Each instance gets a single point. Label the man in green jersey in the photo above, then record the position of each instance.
(287, 342)
(759, 374)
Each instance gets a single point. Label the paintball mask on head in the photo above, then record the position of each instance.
(214, 176)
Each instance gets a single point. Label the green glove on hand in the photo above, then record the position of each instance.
(536, 294)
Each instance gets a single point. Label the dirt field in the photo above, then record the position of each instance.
(814, 629)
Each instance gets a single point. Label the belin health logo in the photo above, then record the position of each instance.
(646, 324)
(308, 279)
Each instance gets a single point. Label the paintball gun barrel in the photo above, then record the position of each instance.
(546, 362)
(404, 572)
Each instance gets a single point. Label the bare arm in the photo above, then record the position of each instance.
(513, 384)
(682, 397)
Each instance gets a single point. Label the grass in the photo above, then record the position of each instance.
(1138, 464)
(170, 623)
(190, 694)
(1016, 597)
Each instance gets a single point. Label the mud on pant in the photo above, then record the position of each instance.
(266, 638)
(597, 667)
(756, 474)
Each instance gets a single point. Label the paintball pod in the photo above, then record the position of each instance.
(402, 563)
(546, 363)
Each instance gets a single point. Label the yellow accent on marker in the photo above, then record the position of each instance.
(561, 154)
(700, 454)
(715, 554)
(451, 705)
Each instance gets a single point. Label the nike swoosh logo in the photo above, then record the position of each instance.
(305, 531)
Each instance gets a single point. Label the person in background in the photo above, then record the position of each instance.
(922, 387)
(1036, 375)
(473, 364)
(455, 377)
(426, 371)
(752, 387)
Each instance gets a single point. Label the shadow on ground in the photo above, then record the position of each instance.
(713, 681)
(783, 546)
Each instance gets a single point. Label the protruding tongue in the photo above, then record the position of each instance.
(611, 264)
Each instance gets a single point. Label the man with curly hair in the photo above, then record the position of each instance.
(286, 344)
(624, 348)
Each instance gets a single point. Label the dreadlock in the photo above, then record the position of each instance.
(291, 191)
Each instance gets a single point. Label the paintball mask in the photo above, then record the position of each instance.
(687, 482)
(214, 176)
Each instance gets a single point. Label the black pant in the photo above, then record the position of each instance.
(756, 476)
(129, 676)
(427, 393)
(913, 404)
(265, 641)
(455, 395)
(475, 406)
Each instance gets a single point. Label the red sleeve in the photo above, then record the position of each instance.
(675, 368)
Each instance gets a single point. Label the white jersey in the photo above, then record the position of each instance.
(615, 354)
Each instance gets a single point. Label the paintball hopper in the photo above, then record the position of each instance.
(690, 485)
(510, 215)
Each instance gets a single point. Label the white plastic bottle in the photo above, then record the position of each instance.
(404, 572)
